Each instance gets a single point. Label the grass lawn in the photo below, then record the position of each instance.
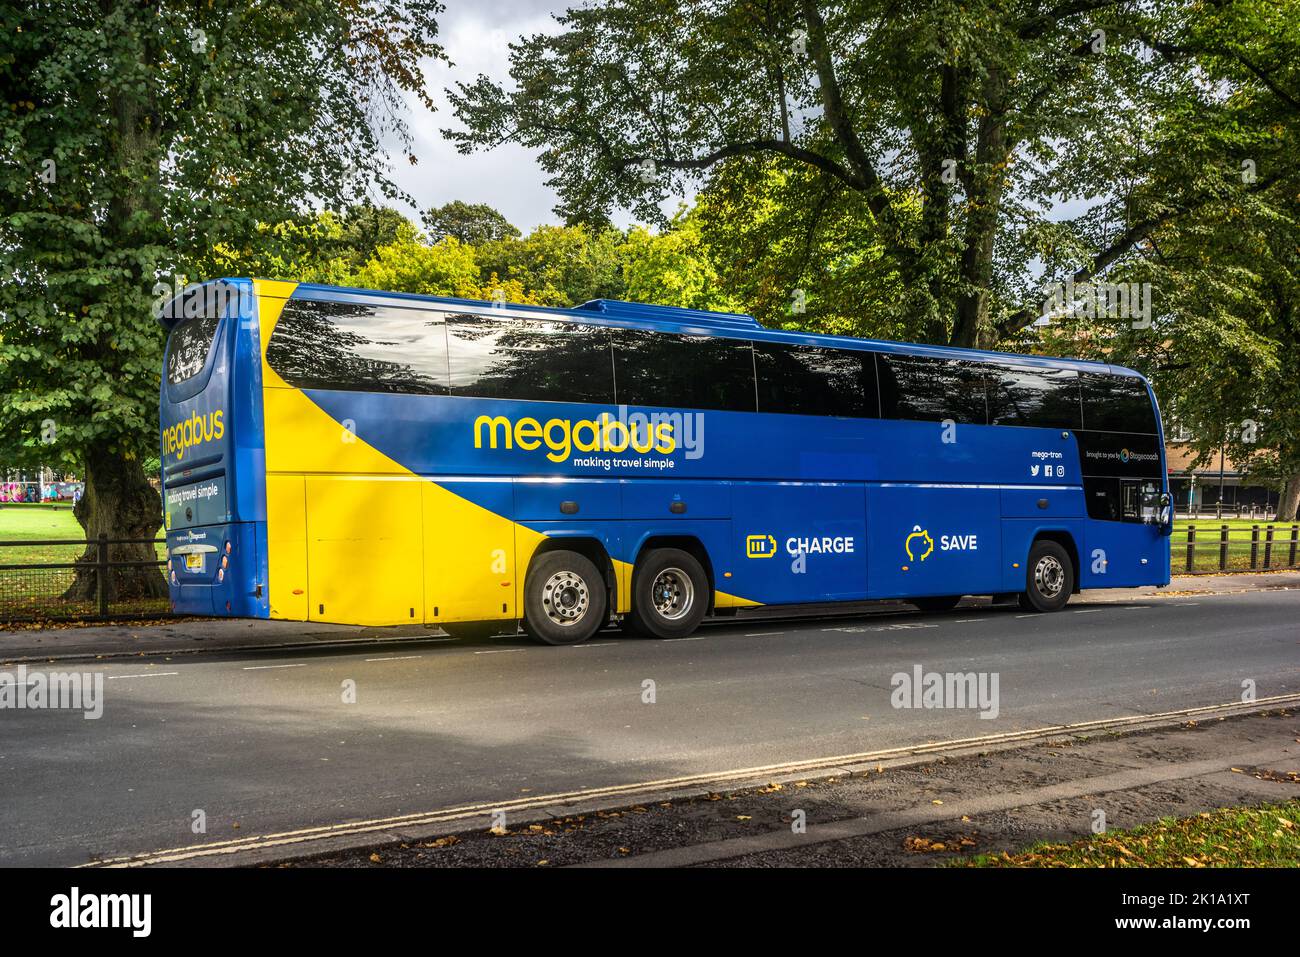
(1208, 531)
(34, 593)
(30, 522)
(1263, 836)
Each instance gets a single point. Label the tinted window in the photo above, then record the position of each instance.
(1113, 403)
(801, 380)
(359, 348)
(931, 390)
(1116, 500)
(188, 350)
(1043, 398)
(529, 360)
(685, 372)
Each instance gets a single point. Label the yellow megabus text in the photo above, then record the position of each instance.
(563, 436)
(191, 433)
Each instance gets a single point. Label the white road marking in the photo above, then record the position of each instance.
(401, 658)
(1086, 611)
(271, 667)
(499, 651)
(152, 674)
(598, 644)
(766, 634)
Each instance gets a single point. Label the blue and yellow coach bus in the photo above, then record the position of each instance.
(372, 458)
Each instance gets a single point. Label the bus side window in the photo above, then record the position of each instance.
(1102, 496)
(1041, 398)
(929, 389)
(359, 348)
(684, 372)
(1114, 403)
(529, 360)
(804, 380)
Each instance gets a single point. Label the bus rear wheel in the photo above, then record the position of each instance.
(1049, 578)
(669, 594)
(564, 599)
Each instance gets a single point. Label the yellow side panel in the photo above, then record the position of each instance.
(469, 559)
(286, 534)
(722, 600)
(364, 550)
(302, 437)
(623, 575)
(271, 296)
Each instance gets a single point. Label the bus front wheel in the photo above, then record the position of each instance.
(1049, 578)
(670, 594)
(564, 599)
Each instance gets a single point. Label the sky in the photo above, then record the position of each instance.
(475, 36)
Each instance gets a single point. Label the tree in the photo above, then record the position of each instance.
(1222, 346)
(322, 247)
(470, 223)
(135, 137)
(447, 268)
(560, 265)
(674, 268)
(954, 125)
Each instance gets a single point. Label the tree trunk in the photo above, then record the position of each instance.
(118, 502)
(985, 184)
(1287, 504)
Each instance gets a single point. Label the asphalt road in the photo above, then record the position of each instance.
(262, 743)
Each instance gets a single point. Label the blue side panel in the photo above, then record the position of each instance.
(933, 540)
(210, 569)
(1121, 554)
(799, 542)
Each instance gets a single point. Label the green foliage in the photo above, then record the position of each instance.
(934, 136)
(472, 223)
(674, 268)
(560, 265)
(137, 140)
(1223, 349)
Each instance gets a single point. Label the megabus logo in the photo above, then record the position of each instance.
(563, 436)
(191, 433)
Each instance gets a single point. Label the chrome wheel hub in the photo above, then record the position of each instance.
(1049, 576)
(673, 594)
(565, 598)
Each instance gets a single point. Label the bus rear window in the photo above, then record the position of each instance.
(187, 352)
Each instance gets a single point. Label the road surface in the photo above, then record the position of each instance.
(263, 743)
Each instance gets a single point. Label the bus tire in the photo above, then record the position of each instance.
(670, 594)
(564, 599)
(1049, 578)
(935, 604)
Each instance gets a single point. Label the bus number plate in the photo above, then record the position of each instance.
(194, 562)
